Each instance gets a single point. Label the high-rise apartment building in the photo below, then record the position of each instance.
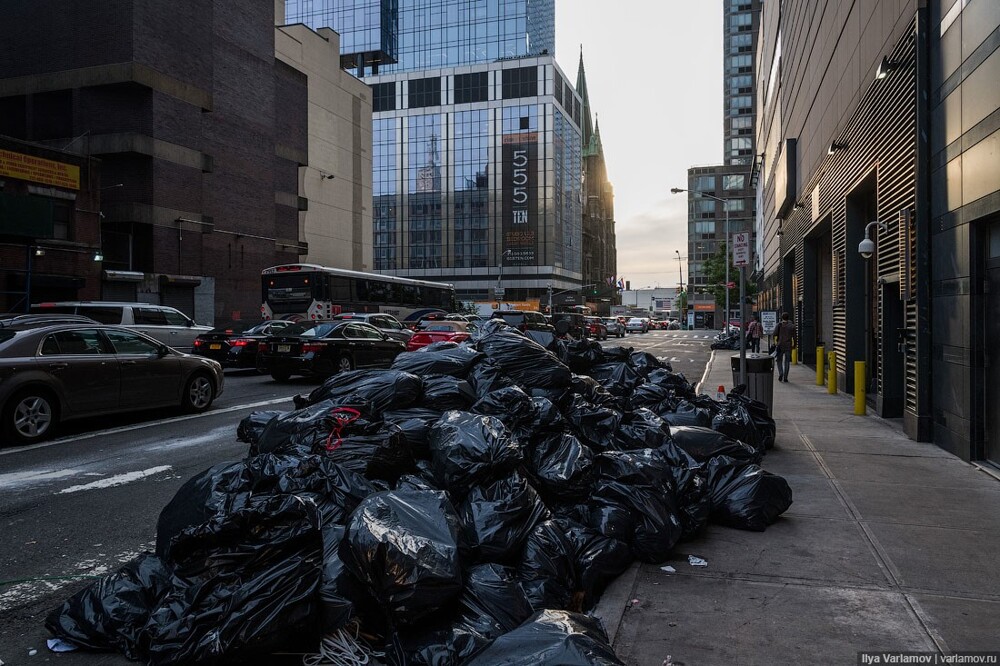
(731, 180)
(477, 153)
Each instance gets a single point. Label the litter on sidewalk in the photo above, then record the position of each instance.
(467, 506)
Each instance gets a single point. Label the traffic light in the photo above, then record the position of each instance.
(594, 291)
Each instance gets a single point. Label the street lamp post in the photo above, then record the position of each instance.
(725, 207)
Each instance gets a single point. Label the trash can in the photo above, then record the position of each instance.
(760, 377)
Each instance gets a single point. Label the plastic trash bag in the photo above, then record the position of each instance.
(443, 392)
(252, 425)
(298, 431)
(381, 454)
(744, 495)
(593, 392)
(562, 467)
(435, 644)
(615, 354)
(581, 355)
(403, 545)
(543, 338)
(336, 585)
(654, 397)
(454, 361)
(497, 517)
(441, 345)
(492, 602)
(595, 426)
(687, 414)
(547, 569)
(468, 449)
(511, 405)
(546, 417)
(763, 422)
(645, 363)
(110, 613)
(641, 429)
(620, 379)
(551, 638)
(528, 363)
(702, 444)
(415, 425)
(487, 376)
(673, 380)
(599, 559)
(380, 389)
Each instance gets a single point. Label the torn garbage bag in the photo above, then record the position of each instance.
(745, 496)
(497, 517)
(468, 449)
(551, 638)
(403, 545)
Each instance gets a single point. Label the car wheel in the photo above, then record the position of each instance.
(281, 375)
(30, 416)
(199, 393)
(345, 363)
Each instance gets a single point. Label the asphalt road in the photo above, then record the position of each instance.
(81, 505)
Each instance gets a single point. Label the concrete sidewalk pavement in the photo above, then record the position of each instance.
(889, 545)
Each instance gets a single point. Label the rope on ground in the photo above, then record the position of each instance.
(341, 649)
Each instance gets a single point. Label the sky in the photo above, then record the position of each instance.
(654, 73)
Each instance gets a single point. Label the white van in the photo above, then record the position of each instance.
(169, 326)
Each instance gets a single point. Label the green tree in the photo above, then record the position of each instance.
(715, 274)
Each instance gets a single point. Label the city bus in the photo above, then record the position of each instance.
(302, 292)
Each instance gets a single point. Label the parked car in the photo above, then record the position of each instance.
(169, 326)
(637, 325)
(19, 319)
(524, 320)
(383, 322)
(235, 345)
(614, 326)
(324, 348)
(674, 325)
(58, 372)
(575, 324)
(440, 331)
(596, 328)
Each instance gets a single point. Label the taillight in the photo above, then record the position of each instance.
(239, 342)
(313, 347)
(198, 342)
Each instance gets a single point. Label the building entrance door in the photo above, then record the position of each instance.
(993, 362)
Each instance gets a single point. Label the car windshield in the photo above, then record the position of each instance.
(441, 327)
(310, 329)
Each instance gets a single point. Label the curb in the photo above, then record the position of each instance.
(614, 601)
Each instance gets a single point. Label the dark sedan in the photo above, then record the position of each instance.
(58, 372)
(324, 348)
(235, 345)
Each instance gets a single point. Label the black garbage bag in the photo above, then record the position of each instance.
(403, 545)
(735, 422)
(383, 454)
(654, 397)
(547, 569)
(468, 449)
(645, 363)
(443, 392)
(543, 338)
(380, 390)
(595, 426)
(436, 644)
(337, 585)
(492, 602)
(593, 392)
(599, 559)
(581, 355)
(497, 517)
(641, 429)
(562, 467)
(511, 405)
(687, 414)
(453, 361)
(620, 379)
(487, 376)
(415, 424)
(744, 495)
(301, 430)
(438, 346)
(251, 583)
(546, 418)
(252, 425)
(528, 363)
(763, 422)
(110, 613)
(702, 444)
(616, 354)
(642, 483)
(672, 380)
(551, 638)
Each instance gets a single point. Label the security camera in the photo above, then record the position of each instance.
(866, 248)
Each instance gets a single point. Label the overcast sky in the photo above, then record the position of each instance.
(654, 72)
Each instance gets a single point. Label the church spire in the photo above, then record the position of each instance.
(586, 123)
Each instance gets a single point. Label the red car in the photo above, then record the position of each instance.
(596, 328)
(439, 331)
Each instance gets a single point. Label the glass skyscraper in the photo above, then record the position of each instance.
(476, 142)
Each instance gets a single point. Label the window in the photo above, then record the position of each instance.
(131, 343)
(705, 184)
(424, 92)
(740, 102)
(557, 88)
(84, 341)
(733, 182)
(740, 64)
(383, 96)
(471, 87)
(175, 318)
(105, 315)
(739, 82)
(740, 21)
(734, 205)
(61, 216)
(520, 82)
(704, 227)
(150, 317)
(743, 122)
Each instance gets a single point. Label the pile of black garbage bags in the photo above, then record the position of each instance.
(466, 506)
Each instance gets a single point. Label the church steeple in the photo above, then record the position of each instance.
(586, 122)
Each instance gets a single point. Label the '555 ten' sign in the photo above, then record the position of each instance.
(520, 197)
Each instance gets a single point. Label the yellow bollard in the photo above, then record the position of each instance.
(795, 355)
(820, 358)
(859, 388)
(831, 373)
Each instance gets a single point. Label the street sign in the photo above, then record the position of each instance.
(769, 321)
(498, 292)
(741, 249)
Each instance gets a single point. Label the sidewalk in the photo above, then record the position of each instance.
(890, 545)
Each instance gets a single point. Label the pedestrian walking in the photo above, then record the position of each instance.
(784, 336)
(754, 331)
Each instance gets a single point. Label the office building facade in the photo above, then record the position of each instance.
(477, 146)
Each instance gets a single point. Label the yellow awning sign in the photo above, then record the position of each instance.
(39, 170)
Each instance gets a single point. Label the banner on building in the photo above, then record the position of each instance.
(39, 170)
(520, 198)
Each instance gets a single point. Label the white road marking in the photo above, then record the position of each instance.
(15, 479)
(116, 480)
(145, 424)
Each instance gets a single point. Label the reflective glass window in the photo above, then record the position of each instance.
(520, 82)
(733, 182)
(424, 92)
(472, 87)
(704, 184)
(384, 96)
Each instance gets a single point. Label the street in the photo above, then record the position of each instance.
(83, 504)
